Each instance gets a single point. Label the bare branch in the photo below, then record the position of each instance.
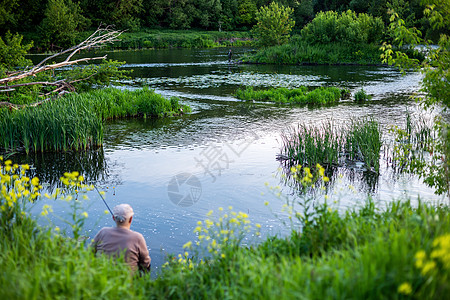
(33, 72)
(103, 35)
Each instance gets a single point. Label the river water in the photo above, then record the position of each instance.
(173, 171)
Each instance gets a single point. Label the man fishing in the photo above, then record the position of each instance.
(114, 241)
(230, 54)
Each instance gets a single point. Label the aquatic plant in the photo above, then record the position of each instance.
(328, 144)
(310, 145)
(75, 122)
(302, 95)
(361, 96)
(422, 147)
(363, 143)
(60, 125)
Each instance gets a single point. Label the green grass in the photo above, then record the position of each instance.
(327, 144)
(182, 39)
(361, 96)
(363, 143)
(302, 95)
(75, 122)
(300, 52)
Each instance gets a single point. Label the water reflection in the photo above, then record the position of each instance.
(50, 167)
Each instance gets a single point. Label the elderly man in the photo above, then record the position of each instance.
(115, 240)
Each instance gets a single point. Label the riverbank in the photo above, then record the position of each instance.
(166, 38)
(367, 252)
(299, 52)
(75, 121)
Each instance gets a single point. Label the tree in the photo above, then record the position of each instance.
(12, 52)
(62, 20)
(274, 24)
(435, 85)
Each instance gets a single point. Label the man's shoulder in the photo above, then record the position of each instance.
(136, 234)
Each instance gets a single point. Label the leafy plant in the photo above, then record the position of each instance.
(274, 24)
(361, 96)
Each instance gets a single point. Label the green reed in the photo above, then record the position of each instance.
(328, 144)
(363, 143)
(75, 122)
(310, 145)
(301, 95)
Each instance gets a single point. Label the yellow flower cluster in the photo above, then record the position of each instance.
(307, 178)
(405, 288)
(228, 228)
(15, 187)
(438, 260)
(441, 251)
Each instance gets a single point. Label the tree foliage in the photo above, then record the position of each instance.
(435, 84)
(274, 24)
(346, 27)
(12, 52)
(62, 20)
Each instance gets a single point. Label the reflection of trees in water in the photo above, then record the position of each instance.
(49, 167)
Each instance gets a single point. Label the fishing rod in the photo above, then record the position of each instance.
(101, 196)
(104, 201)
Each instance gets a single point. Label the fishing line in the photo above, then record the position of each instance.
(101, 196)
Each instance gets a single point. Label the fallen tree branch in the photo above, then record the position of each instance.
(102, 36)
(34, 71)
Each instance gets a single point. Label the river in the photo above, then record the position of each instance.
(173, 171)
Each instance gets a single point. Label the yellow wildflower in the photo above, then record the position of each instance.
(405, 288)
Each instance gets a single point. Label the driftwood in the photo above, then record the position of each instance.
(102, 36)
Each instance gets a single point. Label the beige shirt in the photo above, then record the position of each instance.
(114, 240)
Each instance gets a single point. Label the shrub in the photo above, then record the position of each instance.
(347, 27)
(361, 96)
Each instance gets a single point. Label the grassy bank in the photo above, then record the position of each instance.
(165, 38)
(395, 252)
(300, 52)
(75, 122)
(302, 95)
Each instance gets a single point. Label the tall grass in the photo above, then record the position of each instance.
(302, 95)
(75, 122)
(328, 144)
(363, 143)
(301, 52)
(60, 125)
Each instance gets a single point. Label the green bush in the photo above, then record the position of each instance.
(361, 96)
(301, 52)
(319, 96)
(347, 27)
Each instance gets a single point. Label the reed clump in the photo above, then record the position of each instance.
(329, 145)
(75, 122)
(301, 95)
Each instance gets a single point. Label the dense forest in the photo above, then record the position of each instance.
(57, 22)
